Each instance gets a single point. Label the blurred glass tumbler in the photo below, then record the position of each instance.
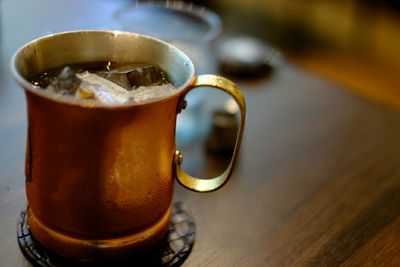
(191, 28)
(99, 179)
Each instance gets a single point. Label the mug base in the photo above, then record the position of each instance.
(172, 250)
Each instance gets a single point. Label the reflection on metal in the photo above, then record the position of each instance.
(231, 106)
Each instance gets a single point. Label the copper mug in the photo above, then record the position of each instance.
(99, 179)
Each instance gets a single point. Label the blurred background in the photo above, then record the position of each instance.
(353, 43)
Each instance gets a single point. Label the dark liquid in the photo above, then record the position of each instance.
(106, 82)
(44, 79)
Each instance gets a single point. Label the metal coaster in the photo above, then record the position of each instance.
(172, 251)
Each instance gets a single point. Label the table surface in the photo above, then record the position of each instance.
(317, 182)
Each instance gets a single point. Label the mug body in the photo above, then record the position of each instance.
(99, 179)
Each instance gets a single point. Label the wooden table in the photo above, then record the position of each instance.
(317, 182)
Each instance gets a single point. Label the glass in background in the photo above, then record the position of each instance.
(191, 28)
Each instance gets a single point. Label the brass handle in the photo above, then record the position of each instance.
(207, 185)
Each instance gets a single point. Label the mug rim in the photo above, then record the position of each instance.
(28, 86)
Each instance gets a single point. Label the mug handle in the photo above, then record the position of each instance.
(207, 185)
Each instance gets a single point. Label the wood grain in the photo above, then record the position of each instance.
(317, 182)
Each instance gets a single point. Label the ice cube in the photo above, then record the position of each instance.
(146, 76)
(133, 76)
(119, 78)
(103, 90)
(147, 93)
(66, 82)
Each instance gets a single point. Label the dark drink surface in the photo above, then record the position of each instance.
(106, 82)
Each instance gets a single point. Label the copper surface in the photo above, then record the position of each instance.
(99, 179)
(97, 172)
